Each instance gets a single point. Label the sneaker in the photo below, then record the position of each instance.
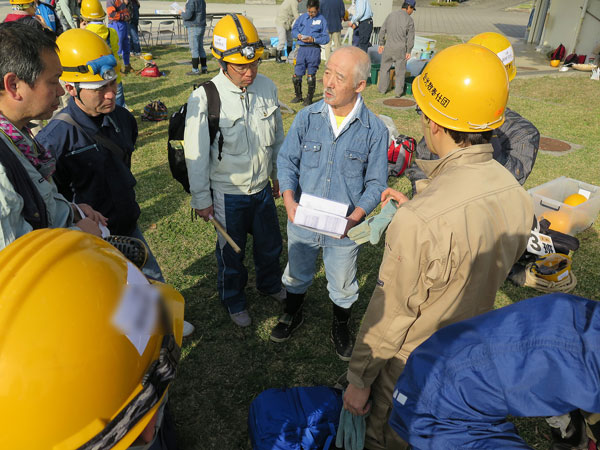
(138, 54)
(204, 70)
(342, 339)
(193, 72)
(241, 319)
(188, 328)
(288, 323)
(126, 69)
(280, 295)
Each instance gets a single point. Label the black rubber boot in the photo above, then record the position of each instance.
(576, 437)
(289, 52)
(278, 57)
(340, 333)
(297, 89)
(203, 67)
(311, 81)
(291, 318)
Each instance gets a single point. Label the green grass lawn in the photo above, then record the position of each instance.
(224, 367)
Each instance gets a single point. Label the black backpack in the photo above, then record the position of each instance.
(177, 130)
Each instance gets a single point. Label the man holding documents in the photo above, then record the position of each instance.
(332, 163)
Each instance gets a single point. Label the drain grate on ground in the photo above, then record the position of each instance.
(400, 103)
(556, 147)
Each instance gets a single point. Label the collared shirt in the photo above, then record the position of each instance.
(332, 118)
(88, 172)
(315, 27)
(363, 11)
(349, 168)
(252, 129)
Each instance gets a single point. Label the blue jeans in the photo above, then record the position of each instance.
(151, 269)
(120, 96)
(339, 261)
(134, 38)
(241, 215)
(122, 31)
(196, 40)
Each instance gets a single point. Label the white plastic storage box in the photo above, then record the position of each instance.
(548, 200)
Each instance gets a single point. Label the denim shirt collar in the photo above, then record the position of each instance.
(361, 115)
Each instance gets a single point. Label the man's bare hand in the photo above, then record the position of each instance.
(390, 194)
(354, 219)
(290, 204)
(275, 189)
(380, 49)
(356, 400)
(205, 213)
(89, 226)
(92, 214)
(407, 56)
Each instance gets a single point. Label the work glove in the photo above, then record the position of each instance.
(373, 228)
(351, 431)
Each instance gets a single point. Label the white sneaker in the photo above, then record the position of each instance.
(188, 328)
(241, 319)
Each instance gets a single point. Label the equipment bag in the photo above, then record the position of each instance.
(175, 145)
(151, 70)
(559, 53)
(300, 418)
(400, 154)
(155, 111)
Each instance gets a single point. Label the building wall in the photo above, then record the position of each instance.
(589, 36)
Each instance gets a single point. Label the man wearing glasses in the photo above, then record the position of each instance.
(449, 249)
(229, 180)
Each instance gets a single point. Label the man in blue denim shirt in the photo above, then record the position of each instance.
(335, 149)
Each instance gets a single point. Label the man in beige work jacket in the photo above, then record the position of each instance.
(449, 249)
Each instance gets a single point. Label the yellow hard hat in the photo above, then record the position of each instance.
(92, 10)
(559, 221)
(552, 267)
(463, 88)
(21, 2)
(82, 331)
(501, 47)
(575, 199)
(85, 57)
(235, 40)
(555, 62)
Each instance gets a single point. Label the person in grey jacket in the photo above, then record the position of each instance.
(396, 40)
(194, 19)
(65, 9)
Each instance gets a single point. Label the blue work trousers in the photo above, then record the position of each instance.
(307, 61)
(361, 36)
(241, 215)
(196, 40)
(339, 261)
(122, 29)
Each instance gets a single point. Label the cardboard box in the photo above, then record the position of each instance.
(321, 215)
(548, 199)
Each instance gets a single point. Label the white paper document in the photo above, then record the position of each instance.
(321, 215)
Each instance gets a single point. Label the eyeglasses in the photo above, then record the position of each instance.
(243, 68)
(418, 110)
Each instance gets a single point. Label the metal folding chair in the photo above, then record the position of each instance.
(145, 31)
(165, 27)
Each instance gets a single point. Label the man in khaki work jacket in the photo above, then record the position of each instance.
(449, 249)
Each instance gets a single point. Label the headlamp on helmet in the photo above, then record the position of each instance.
(103, 66)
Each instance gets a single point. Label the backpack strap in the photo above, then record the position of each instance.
(34, 208)
(97, 138)
(214, 112)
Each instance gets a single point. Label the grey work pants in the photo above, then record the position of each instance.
(397, 57)
(284, 37)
